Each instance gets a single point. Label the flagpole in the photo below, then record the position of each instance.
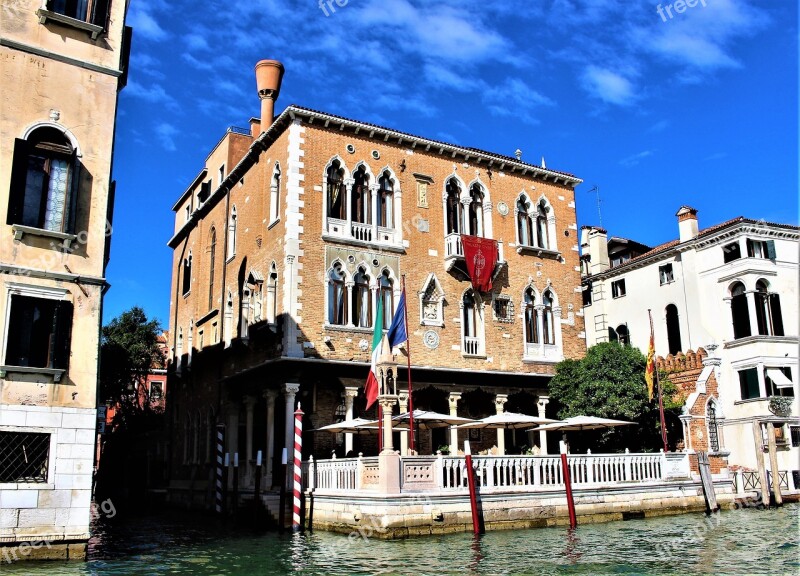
(408, 355)
(660, 397)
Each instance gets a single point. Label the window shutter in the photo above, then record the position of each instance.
(19, 175)
(771, 249)
(74, 194)
(125, 56)
(100, 11)
(62, 334)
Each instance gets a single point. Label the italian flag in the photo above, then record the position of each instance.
(371, 387)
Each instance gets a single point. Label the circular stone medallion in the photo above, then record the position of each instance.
(502, 207)
(431, 339)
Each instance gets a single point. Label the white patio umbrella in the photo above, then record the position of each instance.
(507, 421)
(427, 419)
(352, 426)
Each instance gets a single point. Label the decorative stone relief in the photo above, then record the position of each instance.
(431, 339)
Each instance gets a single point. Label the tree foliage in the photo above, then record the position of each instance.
(129, 349)
(609, 383)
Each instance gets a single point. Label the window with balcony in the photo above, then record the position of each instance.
(471, 324)
(768, 310)
(525, 222)
(761, 249)
(362, 299)
(361, 203)
(618, 288)
(38, 333)
(453, 207)
(740, 312)
(45, 180)
(474, 224)
(731, 252)
(386, 201)
(665, 275)
(337, 296)
(336, 192)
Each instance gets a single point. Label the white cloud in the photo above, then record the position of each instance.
(165, 133)
(636, 158)
(154, 93)
(608, 86)
(144, 22)
(196, 41)
(515, 98)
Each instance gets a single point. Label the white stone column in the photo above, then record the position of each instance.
(269, 397)
(249, 404)
(350, 393)
(289, 392)
(540, 327)
(402, 398)
(387, 404)
(453, 400)
(348, 288)
(541, 405)
(499, 401)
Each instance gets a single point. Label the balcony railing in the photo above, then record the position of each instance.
(472, 346)
(453, 247)
(361, 231)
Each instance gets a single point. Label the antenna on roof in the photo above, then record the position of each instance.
(596, 190)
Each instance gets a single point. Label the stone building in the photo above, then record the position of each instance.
(291, 232)
(731, 288)
(62, 65)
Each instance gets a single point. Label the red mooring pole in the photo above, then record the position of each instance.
(473, 497)
(573, 522)
(298, 467)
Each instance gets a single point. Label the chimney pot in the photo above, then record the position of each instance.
(269, 75)
(687, 223)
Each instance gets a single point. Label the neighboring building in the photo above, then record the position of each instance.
(732, 289)
(291, 232)
(62, 65)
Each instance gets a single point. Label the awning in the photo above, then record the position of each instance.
(779, 378)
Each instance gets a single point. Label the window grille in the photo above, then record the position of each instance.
(24, 457)
(713, 436)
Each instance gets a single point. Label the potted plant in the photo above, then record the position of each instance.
(781, 405)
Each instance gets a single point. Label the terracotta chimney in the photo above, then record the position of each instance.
(269, 74)
(687, 223)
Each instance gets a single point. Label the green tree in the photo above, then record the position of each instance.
(129, 349)
(609, 383)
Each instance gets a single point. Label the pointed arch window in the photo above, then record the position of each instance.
(548, 322)
(386, 294)
(337, 301)
(768, 311)
(386, 201)
(713, 429)
(673, 329)
(453, 207)
(336, 191)
(275, 194)
(623, 336)
(740, 311)
(212, 261)
(360, 209)
(234, 222)
(187, 274)
(524, 223)
(471, 324)
(362, 299)
(45, 177)
(475, 216)
(531, 318)
(542, 236)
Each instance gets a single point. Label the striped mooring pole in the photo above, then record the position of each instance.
(219, 496)
(298, 471)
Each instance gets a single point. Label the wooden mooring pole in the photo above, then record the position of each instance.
(773, 464)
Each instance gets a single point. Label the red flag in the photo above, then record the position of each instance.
(481, 256)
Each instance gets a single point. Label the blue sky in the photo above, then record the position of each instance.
(697, 107)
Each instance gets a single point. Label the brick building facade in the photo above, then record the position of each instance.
(293, 230)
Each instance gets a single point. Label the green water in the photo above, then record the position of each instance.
(748, 541)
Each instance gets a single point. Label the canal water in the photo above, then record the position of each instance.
(747, 541)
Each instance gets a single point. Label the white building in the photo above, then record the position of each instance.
(734, 286)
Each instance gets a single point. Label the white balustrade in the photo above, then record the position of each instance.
(472, 346)
(361, 231)
(453, 247)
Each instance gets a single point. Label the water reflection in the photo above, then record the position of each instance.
(734, 542)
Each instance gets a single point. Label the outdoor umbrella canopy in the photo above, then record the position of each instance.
(508, 420)
(425, 420)
(353, 426)
(576, 423)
